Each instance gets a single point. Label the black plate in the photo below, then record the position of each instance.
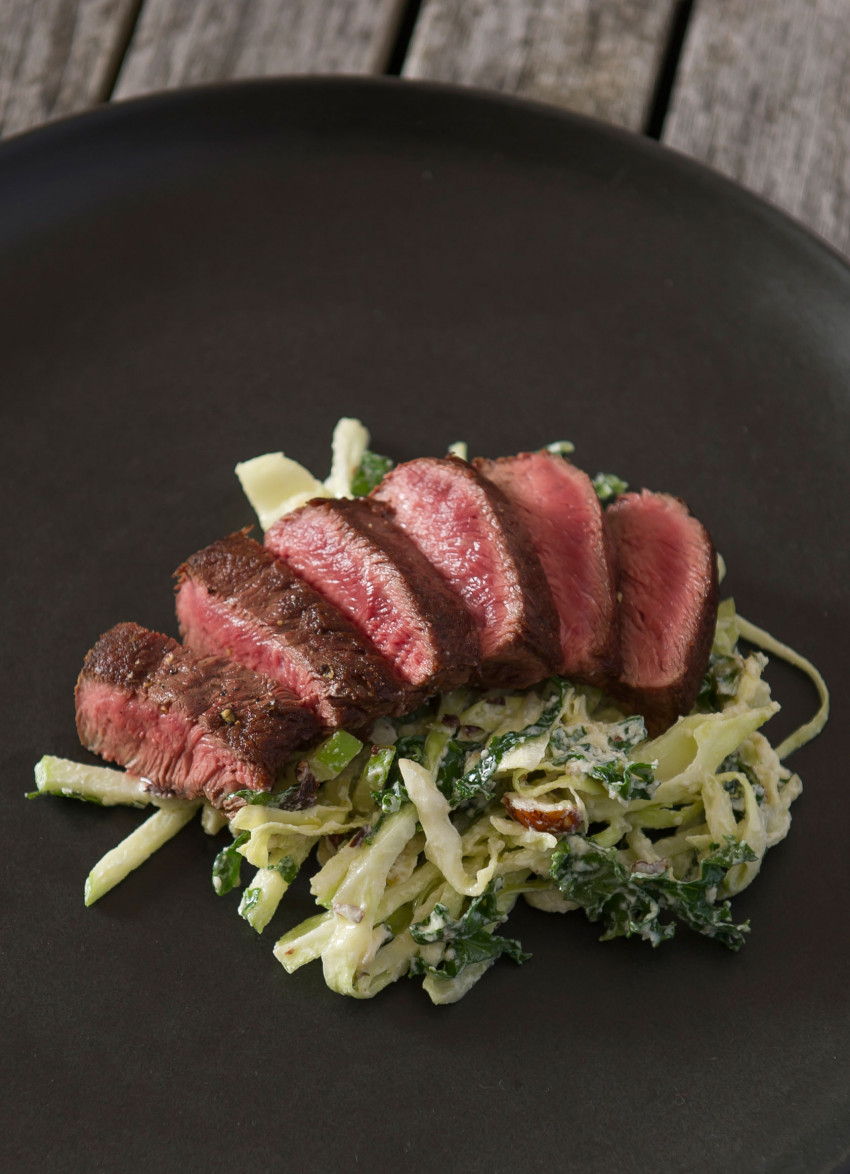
(195, 279)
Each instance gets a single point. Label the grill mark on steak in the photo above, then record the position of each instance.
(667, 578)
(466, 528)
(351, 553)
(194, 726)
(234, 598)
(563, 515)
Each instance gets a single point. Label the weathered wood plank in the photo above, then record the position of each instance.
(184, 42)
(763, 94)
(600, 57)
(58, 56)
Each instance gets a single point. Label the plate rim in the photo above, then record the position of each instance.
(157, 103)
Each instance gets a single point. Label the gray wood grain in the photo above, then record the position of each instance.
(600, 57)
(58, 56)
(184, 42)
(763, 94)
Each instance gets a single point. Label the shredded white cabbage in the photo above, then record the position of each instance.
(275, 485)
(349, 443)
(443, 844)
(769, 643)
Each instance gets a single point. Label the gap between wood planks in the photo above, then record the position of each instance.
(669, 67)
(662, 93)
(407, 24)
(401, 43)
(122, 44)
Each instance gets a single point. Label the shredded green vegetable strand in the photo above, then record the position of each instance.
(157, 830)
(769, 643)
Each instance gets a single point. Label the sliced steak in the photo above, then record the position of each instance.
(235, 598)
(194, 726)
(562, 513)
(351, 553)
(668, 608)
(465, 527)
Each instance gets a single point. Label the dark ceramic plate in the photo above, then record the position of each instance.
(192, 280)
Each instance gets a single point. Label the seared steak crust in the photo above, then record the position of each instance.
(668, 586)
(191, 725)
(352, 554)
(561, 511)
(465, 526)
(234, 598)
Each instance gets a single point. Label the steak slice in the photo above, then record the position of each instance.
(193, 726)
(668, 604)
(234, 598)
(563, 515)
(351, 553)
(464, 525)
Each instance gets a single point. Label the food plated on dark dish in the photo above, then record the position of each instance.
(211, 275)
(457, 683)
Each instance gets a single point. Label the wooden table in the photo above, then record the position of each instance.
(759, 89)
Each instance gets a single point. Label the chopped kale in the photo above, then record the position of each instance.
(626, 781)
(563, 742)
(414, 720)
(469, 939)
(287, 800)
(733, 763)
(626, 734)
(478, 781)
(298, 797)
(392, 795)
(412, 746)
(633, 901)
(287, 868)
(227, 865)
(252, 896)
(451, 766)
(720, 682)
(250, 900)
(369, 473)
(622, 779)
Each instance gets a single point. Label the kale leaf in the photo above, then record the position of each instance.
(451, 766)
(625, 781)
(733, 763)
(227, 866)
(392, 795)
(287, 868)
(469, 939)
(369, 473)
(298, 797)
(622, 779)
(479, 780)
(720, 682)
(631, 901)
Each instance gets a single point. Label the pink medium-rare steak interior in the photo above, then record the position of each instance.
(563, 515)
(191, 725)
(234, 598)
(668, 588)
(465, 527)
(351, 553)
